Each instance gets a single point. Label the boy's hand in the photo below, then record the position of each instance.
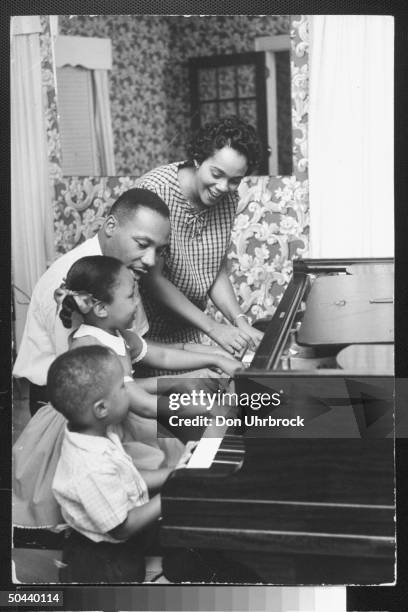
(185, 457)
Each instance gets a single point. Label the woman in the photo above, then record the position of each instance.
(202, 197)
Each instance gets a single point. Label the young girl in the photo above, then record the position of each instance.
(102, 290)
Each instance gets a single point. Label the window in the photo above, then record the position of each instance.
(84, 105)
(254, 86)
(77, 125)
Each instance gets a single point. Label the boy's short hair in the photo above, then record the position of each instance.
(132, 200)
(79, 378)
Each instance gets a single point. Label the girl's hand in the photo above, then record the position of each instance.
(205, 348)
(254, 334)
(228, 365)
(232, 339)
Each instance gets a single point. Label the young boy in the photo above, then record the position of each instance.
(103, 497)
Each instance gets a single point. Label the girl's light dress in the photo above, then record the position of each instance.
(37, 450)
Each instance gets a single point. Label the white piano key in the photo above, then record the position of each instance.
(204, 453)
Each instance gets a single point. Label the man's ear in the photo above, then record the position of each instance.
(100, 310)
(100, 409)
(110, 226)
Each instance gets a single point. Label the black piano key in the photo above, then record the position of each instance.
(230, 454)
(230, 458)
(232, 441)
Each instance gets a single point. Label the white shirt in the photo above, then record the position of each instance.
(117, 343)
(44, 335)
(96, 484)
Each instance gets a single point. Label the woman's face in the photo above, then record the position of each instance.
(219, 174)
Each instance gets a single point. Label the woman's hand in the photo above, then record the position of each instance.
(254, 334)
(232, 339)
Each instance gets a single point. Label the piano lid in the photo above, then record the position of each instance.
(349, 309)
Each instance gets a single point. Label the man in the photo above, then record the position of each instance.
(136, 231)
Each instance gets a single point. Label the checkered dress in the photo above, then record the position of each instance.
(198, 243)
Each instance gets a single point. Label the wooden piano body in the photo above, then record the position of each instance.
(313, 505)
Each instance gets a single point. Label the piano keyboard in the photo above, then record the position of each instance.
(204, 455)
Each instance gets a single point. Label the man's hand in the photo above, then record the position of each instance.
(228, 365)
(205, 379)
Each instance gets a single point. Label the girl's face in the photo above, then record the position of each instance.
(116, 399)
(121, 311)
(219, 174)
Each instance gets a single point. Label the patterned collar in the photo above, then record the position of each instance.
(198, 220)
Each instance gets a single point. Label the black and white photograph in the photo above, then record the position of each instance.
(215, 193)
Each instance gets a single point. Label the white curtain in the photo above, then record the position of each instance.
(31, 205)
(351, 137)
(103, 123)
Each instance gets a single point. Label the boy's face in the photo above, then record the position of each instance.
(116, 398)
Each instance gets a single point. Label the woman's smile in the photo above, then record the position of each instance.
(219, 175)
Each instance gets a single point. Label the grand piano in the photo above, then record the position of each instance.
(313, 504)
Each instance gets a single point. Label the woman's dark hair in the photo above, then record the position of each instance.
(231, 132)
(93, 276)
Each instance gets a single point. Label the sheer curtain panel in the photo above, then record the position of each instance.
(351, 140)
(31, 204)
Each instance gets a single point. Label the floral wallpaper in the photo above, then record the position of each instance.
(149, 82)
(272, 225)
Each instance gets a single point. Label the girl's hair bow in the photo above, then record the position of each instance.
(83, 300)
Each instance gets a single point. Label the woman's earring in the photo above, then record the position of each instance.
(196, 164)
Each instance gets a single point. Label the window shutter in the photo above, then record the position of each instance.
(76, 111)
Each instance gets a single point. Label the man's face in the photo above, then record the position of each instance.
(138, 241)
